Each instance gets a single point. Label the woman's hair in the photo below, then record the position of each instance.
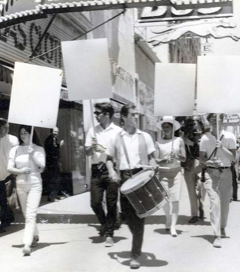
(35, 139)
(170, 124)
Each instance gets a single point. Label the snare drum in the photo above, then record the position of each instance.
(145, 192)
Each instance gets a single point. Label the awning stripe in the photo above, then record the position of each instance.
(41, 11)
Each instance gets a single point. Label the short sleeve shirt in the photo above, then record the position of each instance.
(208, 143)
(104, 136)
(132, 145)
(6, 144)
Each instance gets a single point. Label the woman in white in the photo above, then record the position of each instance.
(170, 151)
(28, 162)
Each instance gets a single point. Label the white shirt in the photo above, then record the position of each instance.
(132, 145)
(165, 148)
(208, 144)
(19, 158)
(104, 136)
(6, 143)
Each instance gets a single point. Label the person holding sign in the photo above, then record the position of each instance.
(132, 149)
(6, 143)
(27, 161)
(216, 156)
(170, 152)
(96, 145)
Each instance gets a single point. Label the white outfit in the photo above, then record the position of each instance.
(104, 136)
(172, 177)
(218, 183)
(6, 143)
(29, 186)
(132, 144)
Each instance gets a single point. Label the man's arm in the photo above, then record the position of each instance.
(111, 171)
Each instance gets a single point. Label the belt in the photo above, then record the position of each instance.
(131, 171)
(222, 167)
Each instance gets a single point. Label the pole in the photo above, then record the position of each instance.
(92, 117)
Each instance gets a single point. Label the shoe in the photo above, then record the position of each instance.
(173, 233)
(102, 230)
(223, 233)
(109, 242)
(51, 199)
(193, 220)
(26, 250)
(217, 242)
(35, 241)
(134, 263)
(2, 229)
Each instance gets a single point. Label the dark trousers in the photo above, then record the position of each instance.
(135, 224)
(100, 182)
(6, 213)
(53, 181)
(234, 183)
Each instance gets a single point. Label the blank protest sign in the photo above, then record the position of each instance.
(218, 84)
(87, 68)
(35, 95)
(174, 89)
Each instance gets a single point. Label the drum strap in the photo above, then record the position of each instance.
(143, 153)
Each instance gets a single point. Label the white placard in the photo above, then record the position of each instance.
(87, 68)
(218, 84)
(174, 89)
(35, 95)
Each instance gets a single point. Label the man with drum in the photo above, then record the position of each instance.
(96, 145)
(217, 155)
(132, 148)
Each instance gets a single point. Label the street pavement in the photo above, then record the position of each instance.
(69, 242)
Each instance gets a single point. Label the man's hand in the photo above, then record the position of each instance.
(97, 147)
(113, 176)
(219, 144)
(214, 163)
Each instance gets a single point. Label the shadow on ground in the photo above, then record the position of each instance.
(146, 260)
(182, 220)
(165, 232)
(40, 246)
(101, 239)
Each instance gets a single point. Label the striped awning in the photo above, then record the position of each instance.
(46, 7)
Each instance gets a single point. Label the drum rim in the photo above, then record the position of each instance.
(155, 209)
(137, 186)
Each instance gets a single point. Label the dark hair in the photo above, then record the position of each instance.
(3, 122)
(167, 123)
(35, 139)
(124, 111)
(105, 107)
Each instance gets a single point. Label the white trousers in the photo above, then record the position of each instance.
(218, 186)
(29, 196)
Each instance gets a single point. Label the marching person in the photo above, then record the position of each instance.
(170, 152)
(139, 147)
(216, 156)
(7, 141)
(28, 162)
(192, 131)
(52, 148)
(96, 145)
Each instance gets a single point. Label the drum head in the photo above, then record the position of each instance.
(137, 181)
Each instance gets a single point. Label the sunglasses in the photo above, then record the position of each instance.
(97, 113)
